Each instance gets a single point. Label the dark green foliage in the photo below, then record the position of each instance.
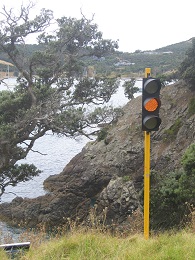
(130, 89)
(15, 174)
(114, 114)
(187, 67)
(52, 93)
(171, 133)
(191, 108)
(168, 78)
(173, 195)
(11, 103)
(102, 134)
(188, 161)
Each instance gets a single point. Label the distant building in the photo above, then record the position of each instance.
(124, 63)
(5, 70)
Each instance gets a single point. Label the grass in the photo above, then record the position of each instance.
(95, 245)
(3, 255)
(98, 243)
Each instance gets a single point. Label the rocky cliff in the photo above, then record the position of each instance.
(108, 173)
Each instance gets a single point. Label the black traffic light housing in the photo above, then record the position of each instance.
(151, 104)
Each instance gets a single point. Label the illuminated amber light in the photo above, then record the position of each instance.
(151, 105)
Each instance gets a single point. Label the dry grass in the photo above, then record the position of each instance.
(73, 241)
(95, 245)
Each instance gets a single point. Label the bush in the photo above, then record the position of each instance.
(187, 67)
(188, 160)
(171, 133)
(191, 108)
(102, 134)
(173, 197)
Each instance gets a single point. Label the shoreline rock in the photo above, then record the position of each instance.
(109, 173)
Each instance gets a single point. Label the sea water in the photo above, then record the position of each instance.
(51, 154)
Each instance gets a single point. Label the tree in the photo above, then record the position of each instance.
(168, 78)
(187, 67)
(51, 94)
(130, 88)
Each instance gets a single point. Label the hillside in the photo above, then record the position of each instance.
(163, 60)
(108, 173)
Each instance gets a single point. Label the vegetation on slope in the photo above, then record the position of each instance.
(124, 64)
(176, 194)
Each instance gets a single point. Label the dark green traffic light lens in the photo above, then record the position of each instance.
(151, 86)
(151, 122)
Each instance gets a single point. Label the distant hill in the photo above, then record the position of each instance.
(180, 47)
(124, 64)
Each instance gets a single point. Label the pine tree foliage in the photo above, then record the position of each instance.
(52, 94)
(187, 67)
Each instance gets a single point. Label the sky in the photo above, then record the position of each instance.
(137, 24)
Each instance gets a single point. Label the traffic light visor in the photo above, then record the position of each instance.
(151, 86)
(151, 104)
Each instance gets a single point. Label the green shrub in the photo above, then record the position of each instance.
(102, 134)
(187, 67)
(191, 108)
(171, 133)
(126, 178)
(188, 160)
(173, 196)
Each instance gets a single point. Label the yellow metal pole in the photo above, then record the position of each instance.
(146, 184)
(147, 72)
(147, 175)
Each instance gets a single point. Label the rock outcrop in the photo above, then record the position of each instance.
(108, 173)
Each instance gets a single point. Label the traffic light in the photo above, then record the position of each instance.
(151, 104)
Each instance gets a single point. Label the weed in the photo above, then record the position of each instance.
(126, 178)
(136, 221)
